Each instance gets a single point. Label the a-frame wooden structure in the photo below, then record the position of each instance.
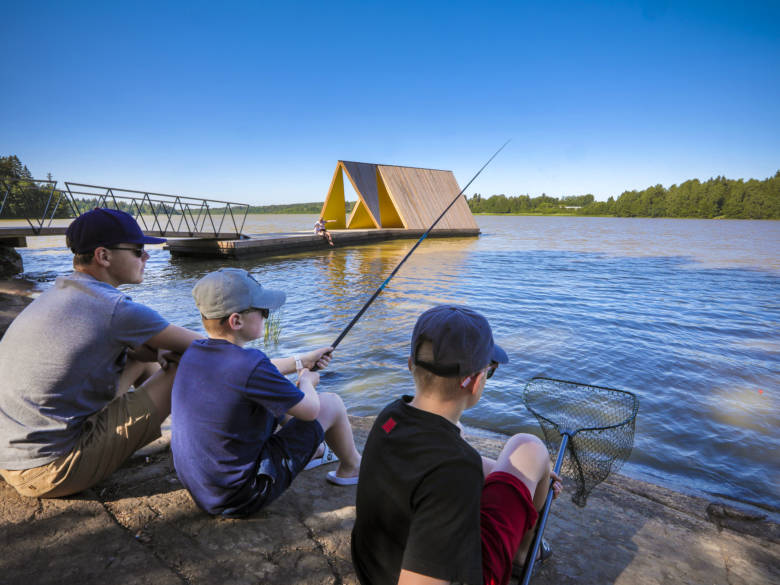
(390, 196)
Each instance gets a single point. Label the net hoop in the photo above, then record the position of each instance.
(627, 420)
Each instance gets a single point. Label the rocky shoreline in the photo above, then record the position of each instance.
(15, 295)
(141, 526)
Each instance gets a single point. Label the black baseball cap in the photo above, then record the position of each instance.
(105, 227)
(461, 338)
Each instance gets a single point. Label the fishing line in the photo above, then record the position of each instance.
(359, 314)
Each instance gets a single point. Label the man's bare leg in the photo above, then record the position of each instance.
(158, 388)
(135, 374)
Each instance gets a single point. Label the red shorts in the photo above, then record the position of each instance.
(507, 513)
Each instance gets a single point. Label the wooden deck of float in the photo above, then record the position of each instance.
(282, 243)
(16, 236)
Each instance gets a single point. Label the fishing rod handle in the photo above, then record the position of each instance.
(530, 558)
(315, 367)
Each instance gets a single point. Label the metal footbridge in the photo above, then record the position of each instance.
(40, 208)
(197, 228)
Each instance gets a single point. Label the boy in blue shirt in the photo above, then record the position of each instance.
(228, 401)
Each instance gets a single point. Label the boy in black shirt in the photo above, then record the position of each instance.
(430, 510)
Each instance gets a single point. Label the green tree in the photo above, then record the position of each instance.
(12, 168)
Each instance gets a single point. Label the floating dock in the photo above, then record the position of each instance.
(274, 244)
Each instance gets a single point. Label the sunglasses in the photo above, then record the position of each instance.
(139, 252)
(263, 312)
(490, 370)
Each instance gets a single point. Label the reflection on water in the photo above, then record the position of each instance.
(683, 312)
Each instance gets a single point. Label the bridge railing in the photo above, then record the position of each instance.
(40, 203)
(35, 200)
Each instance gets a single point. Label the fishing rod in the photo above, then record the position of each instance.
(359, 314)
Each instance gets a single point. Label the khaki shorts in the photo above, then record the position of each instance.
(108, 438)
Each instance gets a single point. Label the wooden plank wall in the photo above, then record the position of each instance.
(420, 195)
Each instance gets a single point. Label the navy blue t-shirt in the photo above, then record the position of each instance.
(226, 402)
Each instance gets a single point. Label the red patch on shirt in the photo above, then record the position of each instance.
(389, 425)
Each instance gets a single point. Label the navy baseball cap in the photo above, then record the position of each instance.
(105, 227)
(232, 290)
(462, 341)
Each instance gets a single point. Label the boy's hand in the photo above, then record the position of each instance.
(557, 485)
(319, 357)
(307, 376)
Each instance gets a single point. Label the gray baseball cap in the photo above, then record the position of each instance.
(232, 290)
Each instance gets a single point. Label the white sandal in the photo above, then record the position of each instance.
(338, 480)
(328, 456)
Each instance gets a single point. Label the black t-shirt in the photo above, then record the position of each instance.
(417, 500)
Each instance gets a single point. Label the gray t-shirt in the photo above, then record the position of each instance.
(60, 362)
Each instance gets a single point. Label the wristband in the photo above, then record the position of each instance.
(298, 362)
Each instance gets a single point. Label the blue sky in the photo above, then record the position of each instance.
(256, 101)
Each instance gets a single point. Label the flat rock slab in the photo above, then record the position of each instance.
(141, 526)
(71, 541)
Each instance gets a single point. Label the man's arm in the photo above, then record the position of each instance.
(142, 353)
(174, 338)
(410, 578)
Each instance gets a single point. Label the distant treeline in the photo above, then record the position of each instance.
(31, 199)
(28, 198)
(315, 208)
(717, 198)
(527, 204)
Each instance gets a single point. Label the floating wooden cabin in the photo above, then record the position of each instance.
(393, 203)
(391, 196)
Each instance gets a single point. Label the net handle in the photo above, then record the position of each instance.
(530, 559)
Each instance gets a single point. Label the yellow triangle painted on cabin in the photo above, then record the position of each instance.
(387, 211)
(334, 209)
(360, 219)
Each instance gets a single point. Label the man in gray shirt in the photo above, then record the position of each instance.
(66, 418)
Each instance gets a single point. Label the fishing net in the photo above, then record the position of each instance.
(598, 421)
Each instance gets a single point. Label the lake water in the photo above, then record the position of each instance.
(685, 313)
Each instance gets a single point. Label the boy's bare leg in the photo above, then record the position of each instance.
(338, 433)
(525, 457)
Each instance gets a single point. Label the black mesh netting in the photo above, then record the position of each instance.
(599, 422)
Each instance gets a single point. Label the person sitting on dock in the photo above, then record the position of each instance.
(67, 419)
(429, 510)
(319, 229)
(228, 401)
